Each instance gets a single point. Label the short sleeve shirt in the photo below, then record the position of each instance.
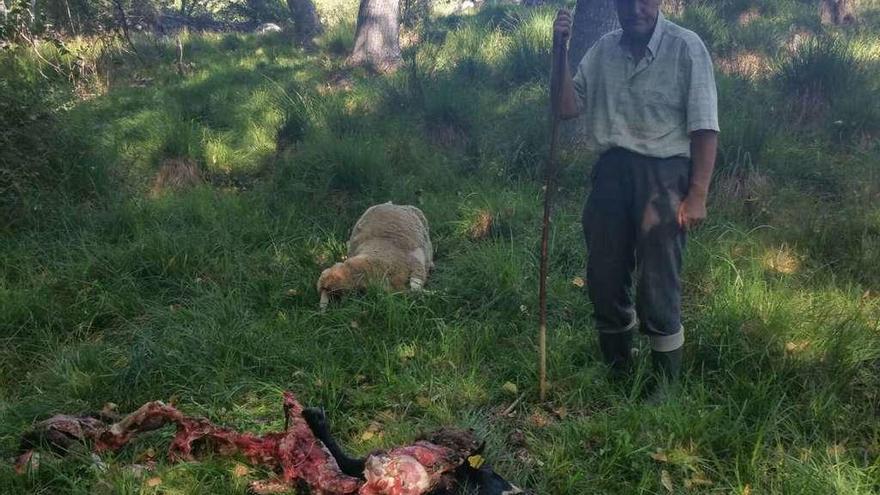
(650, 106)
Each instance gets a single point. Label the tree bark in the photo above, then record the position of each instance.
(837, 12)
(306, 24)
(592, 19)
(376, 42)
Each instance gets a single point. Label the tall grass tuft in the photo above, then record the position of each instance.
(827, 86)
(704, 20)
(528, 54)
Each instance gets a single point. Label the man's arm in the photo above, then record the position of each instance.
(704, 146)
(568, 108)
(702, 126)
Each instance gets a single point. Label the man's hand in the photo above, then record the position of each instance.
(562, 25)
(692, 211)
(568, 105)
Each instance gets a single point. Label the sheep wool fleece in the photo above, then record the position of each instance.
(396, 236)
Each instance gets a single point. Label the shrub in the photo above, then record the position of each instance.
(528, 55)
(39, 151)
(351, 164)
(712, 28)
(338, 38)
(827, 86)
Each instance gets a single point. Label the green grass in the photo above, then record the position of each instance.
(111, 294)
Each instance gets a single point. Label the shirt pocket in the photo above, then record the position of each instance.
(660, 112)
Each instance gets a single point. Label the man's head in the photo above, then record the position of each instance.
(637, 17)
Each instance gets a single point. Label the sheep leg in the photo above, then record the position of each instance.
(325, 301)
(418, 271)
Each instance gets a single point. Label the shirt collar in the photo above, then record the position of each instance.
(656, 36)
(654, 42)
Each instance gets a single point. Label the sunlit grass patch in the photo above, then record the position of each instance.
(781, 260)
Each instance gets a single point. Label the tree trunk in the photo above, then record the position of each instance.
(376, 42)
(306, 24)
(837, 12)
(592, 19)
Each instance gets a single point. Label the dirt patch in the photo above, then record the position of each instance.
(747, 64)
(743, 185)
(748, 17)
(448, 136)
(176, 174)
(481, 225)
(782, 260)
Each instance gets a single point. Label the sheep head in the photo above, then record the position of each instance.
(334, 281)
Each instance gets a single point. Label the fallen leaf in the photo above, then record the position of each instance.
(666, 480)
(372, 431)
(697, 480)
(147, 455)
(747, 490)
(794, 347)
(154, 481)
(539, 419)
(836, 450)
(561, 412)
(240, 470)
(292, 292)
(510, 388)
(578, 282)
(140, 470)
(476, 461)
(660, 456)
(386, 416)
(517, 438)
(406, 351)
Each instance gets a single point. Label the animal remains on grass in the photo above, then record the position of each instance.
(304, 455)
(390, 244)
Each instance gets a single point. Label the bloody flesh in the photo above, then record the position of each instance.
(295, 454)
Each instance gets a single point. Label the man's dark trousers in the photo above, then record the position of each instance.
(630, 224)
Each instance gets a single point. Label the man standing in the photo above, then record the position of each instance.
(648, 92)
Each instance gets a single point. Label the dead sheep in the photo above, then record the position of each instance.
(389, 244)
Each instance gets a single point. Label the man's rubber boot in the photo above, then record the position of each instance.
(616, 351)
(667, 369)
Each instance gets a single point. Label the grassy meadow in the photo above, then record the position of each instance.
(114, 289)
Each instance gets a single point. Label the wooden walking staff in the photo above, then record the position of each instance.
(558, 72)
